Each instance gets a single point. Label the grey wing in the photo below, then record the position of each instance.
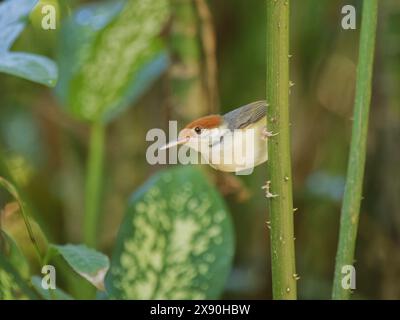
(243, 116)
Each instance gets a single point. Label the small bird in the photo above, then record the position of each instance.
(233, 142)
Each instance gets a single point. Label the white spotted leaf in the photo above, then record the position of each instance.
(176, 241)
(76, 37)
(112, 55)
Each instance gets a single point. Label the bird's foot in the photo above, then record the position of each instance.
(267, 134)
(268, 193)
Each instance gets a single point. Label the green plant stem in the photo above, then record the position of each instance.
(13, 191)
(279, 164)
(94, 183)
(355, 172)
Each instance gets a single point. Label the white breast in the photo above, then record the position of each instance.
(239, 150)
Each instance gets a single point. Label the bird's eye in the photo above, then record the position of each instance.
(197, 130)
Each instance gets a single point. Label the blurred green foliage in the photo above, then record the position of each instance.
(14, 271)
(109, 54)
(57, 294)
(43, 149)
(25, 65)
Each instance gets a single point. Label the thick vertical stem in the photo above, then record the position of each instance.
(355, 172)
(94, 183)
(279, 165)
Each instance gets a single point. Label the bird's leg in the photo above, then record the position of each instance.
(267, 134)
(268, 193)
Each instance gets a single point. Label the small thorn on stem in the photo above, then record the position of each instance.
(267, 134)
(296, 276)
(268, 193)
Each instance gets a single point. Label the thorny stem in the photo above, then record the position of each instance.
(279, 174)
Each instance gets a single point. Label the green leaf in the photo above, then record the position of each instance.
(29, 66)
(89, 263)
(140, 83)
(25, 65)
(56, 294)
(12, 20)
(12, 285)
(117, 62)
(76, 38)
(176, 241)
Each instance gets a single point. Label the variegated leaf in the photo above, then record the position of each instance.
(176, 241)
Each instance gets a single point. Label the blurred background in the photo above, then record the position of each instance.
(216, 54)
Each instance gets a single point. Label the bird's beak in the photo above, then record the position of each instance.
(175, 143)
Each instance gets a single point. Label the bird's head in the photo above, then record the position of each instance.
(199, 133)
